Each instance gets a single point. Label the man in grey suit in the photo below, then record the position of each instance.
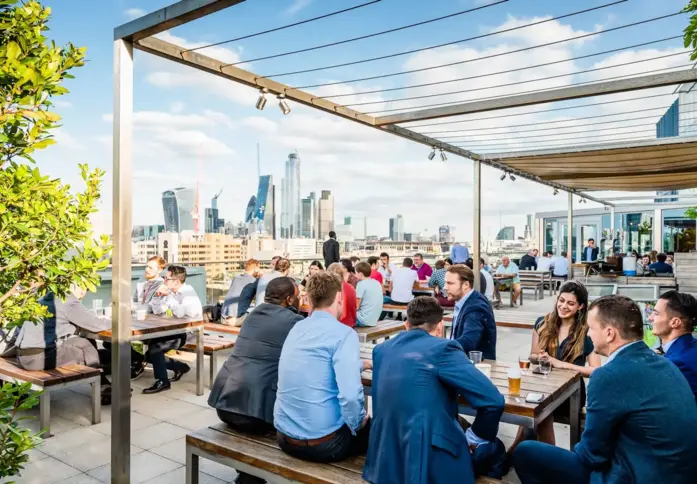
(641, 417)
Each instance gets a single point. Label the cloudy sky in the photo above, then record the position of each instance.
(183, 116)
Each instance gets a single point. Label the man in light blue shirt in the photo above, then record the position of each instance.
(319, 412)
(369, 297)
(459, 253)
(509, 270)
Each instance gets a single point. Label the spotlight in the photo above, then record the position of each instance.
(556, 192)
(443, 157)
(283, 104)
(512, 177)
(432, 154)
(261, 102)
(503, 177)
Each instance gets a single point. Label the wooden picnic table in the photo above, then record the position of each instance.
(558, 387)
(157, 326)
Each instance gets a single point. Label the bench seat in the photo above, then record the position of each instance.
(213, 342)
(384, 329)
(261, 457)
(48, 380)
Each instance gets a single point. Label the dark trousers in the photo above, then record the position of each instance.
(157, 347)
(540, 463)
(247, 425)
(340, 446)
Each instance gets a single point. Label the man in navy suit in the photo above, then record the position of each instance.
(415, 436)
(641, 417)
(474, 325)
(674, 319)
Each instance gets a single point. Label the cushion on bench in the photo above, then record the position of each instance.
(46, 378)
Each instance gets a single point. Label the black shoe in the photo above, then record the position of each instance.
(138, 369)
(159, 386)
(243, 478)
(178, 374)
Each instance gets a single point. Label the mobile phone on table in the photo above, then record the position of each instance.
(535, 397)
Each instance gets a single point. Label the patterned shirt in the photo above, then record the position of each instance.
(438, 279)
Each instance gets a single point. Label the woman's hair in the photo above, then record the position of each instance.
(549, 330)
(348, 265)
(316, 263)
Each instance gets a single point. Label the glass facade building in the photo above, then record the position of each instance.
(397, 228)
(290, 198)
(264, 210)
(178, 205)
(506, 233)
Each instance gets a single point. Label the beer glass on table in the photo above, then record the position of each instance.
(524, 363)
(514, 377)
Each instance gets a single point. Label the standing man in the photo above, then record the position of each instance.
(641, 417)
(330, 250)
(319, 413)
(415, 437)
(422, 268)
(474, 325)
(508, 270)
(182, 301)
(459, 253)
(674, 319)
(239, 297)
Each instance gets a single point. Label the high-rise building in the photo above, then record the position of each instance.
(251, 207)
(445, 234)
(347, 220)
(178, 205)
(265, 208)
(290, 198)
(325, 214)
(397, 228)
(527, 234)
(506, 233)
(308, 214)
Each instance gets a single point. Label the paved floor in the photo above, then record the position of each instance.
(79, 453)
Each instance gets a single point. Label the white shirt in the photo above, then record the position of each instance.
(544, 264)
(184, 303)
(489, 293)
(561, 266)
(403, 280)
(386, 275)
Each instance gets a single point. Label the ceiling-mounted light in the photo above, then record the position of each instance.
(503, 176)
(512, 177)
(261, 102)
(556, 192)
(432, 154)
(443, 157)
(283, 104)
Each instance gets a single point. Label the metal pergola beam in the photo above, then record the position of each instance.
(169, 17)
(552, 95)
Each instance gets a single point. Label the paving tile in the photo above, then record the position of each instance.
(196, 420)
(81, 436)
(157, 435)
(87, 457)
(224, 473)
(178, 476)
(81, 479)
(59, 425)
(144, 466)
(46, 471)
(175, 450)
(138, 422)
(36, 454)
(161, 407)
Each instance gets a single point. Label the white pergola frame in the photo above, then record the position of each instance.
(139, 34)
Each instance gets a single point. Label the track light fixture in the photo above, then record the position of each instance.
(283, 104)
(443, 157)
(556, 192)
(261, 102)
(512, 177)
(503, 177)
(432, 154)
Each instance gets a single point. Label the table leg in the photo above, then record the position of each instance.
(213, 369)
(45, 413)
(96, 402)
(199, 360)
(191, 467)
(511, 289)
(575, 417)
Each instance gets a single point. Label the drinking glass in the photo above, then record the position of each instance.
(97, 306)
(545, 367)
(514, 378)
(475, 357)
(524, 363)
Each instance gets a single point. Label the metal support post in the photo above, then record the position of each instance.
(570, 233)
(612, 228)
(477, 219)
(121, 265)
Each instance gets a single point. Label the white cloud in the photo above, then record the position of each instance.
(62, 104)
(261, 124)
(177, 107)
(66, 140)
(297, 6)
(134, 13)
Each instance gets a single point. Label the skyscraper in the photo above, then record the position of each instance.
(325, 214)
(290, 198)
(251, 209)
(397, 228)
(445, 234)
(178, 205)
(506, 233)
(265, 209)
(308, 210)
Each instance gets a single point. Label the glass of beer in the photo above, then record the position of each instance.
(514, 377)
(524, 363)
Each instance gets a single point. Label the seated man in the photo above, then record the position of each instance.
(244, 392)
(437, 282)
(509, 271)
(560, 266)
(545, 263)
(674, 320)
(402, 284)
(641, 417)
(368, 296)
(474, 325)
(319, 412)
(661, 266)
(181, 301)
(374, 263)
(415, 436)
(528, 261)
(239, 297)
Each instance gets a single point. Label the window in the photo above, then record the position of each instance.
(678, 231)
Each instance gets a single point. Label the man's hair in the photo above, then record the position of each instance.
(348, 265)
(425, 312)
(373, 260)
(363, 268)
(564, 254)
(385, 254)
(481, 261)
(282, 265)
(332, 234)
(661, 257)
(463, 272)
(408, 262)
(621, 313)
(337, 268)
(322, 289)
(418, 255)
(470, 263)
(250, 264)
(354, 259)
(449, 260)
(277, 290)
(591, 239)
(160, 261)
(683, 306)
(440, 264)
(177, 272)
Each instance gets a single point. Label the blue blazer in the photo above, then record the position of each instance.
(475, 328)
(641, 421)
(683, 354)
(415, 437)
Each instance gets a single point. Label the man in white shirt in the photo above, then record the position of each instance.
(489, 292)
(180, 300)
(386, 268)
(561, 266)
(402, 284)
(545, 263)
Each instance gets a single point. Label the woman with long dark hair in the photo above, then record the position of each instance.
(562, 338)
(315, 267)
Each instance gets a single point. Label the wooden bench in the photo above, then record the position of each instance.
(261, 457)
(213, 342)
(384, 329)
(49, 380)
